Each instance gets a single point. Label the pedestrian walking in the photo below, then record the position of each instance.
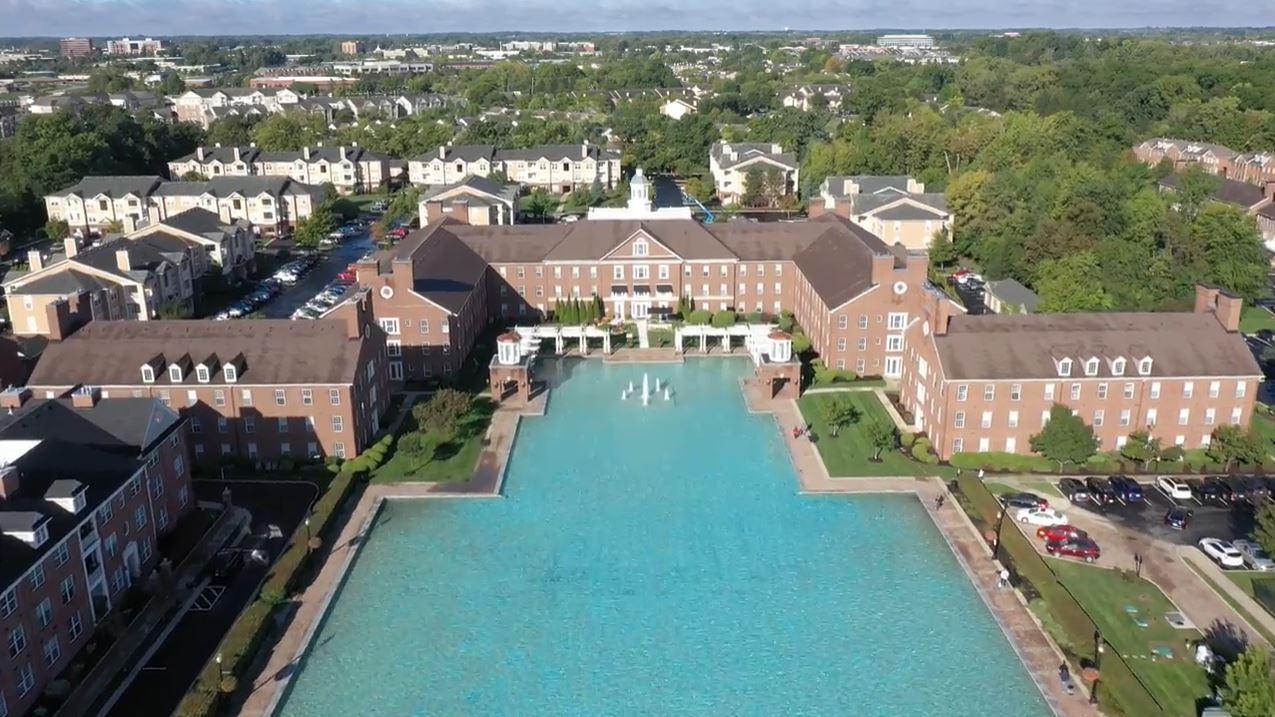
(1003, 582)
(981, 473)
(1064, 677)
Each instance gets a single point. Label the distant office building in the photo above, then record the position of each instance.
(75, 47)
(128, 47)
(918, 41)
(353, 47)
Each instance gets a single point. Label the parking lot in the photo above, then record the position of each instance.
(329, 266)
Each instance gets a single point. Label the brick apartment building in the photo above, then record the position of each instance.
(436, 291)
(1254, 168)
(88, 486)
(255, 390)
(555, 168)
(986, 383)
(75, 48)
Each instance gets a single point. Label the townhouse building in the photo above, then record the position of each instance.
(88, 487)
(119, 279)
(1212, 158)
(350, 170)
(253, 390)
(1257, 200)
(555, 168)
(218, 248)
(896, 208)
(987, 383)
(199, 105)
(215, 161)
(731, 162)
(1257, 168)
(438, 289)
(272, 205)
(808, 97)
(473, 200)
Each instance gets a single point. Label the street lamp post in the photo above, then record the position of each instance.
(307, 531)
(1000, 522)
(221, 673)
(1098, 647)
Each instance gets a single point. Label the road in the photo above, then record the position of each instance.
(162, 682)
(333, 263)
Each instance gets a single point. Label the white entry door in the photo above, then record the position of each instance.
(893, 366)
(641, 309)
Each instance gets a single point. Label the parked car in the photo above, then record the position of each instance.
(1258, 487)
(1127, 489)
(1040, 516)
(1100, 491)
(1241, 489)
(1060, 532)
(1075, 491)
(1174, 488)
(1023, 500)
(225, 564)
(1222, 552)
(1178, 517)
(1082, 548)
(1254, 556)
(1219, 489)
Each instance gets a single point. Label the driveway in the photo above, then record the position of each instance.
(1123, 531)
(277, 509)
(334, 262)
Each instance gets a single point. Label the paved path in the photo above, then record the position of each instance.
(1255, 612)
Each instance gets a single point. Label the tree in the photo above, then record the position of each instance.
(700, 189)
(312, 230)
(442, 414)
(1141, 447)
(724, 319)
(883, 436)
(1066, 438)
(1250, 685)
(56, 229)
(539, 204)
(1233, 254)
(838, 412)
(1071, 284)
(942, 250)
(754, 193)
(1232, 444)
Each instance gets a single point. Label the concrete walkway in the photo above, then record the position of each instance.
(1255, 612)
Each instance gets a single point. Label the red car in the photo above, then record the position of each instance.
(397, 233)
(1051, 533)
(1082, 548)
(346, 276)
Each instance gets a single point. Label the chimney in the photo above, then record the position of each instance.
(305, 153)
(882, 268)
(9, 480)
(341, 150)
(35, 260)
(122, 260)
(199, 153)
(442, 152)
(59, 320)
(14, 397)
(85, 397)
(939, 308)
(71, 246)
(1268, 190)
(217, 145)
(236, 154)
(1205, 298)
(1225, 306)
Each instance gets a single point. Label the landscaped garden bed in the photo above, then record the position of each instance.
(439, 441)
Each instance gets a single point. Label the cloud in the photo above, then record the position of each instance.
(251, 17)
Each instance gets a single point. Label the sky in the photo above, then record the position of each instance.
(250, 17)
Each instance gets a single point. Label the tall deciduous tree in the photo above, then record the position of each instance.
(1250, 685)
(838, 412)
(1066, 438)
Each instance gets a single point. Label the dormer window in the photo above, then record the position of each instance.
(231, 373)
(1064, 367)
(201, 373)
(148, 374)
(1091, 366)
(175, 373)
(1118, 366)
(1144, 366)
(41, 535)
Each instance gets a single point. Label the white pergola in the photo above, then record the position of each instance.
(532, 336)
(754, 337)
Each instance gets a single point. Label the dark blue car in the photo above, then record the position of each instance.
(1129, 490)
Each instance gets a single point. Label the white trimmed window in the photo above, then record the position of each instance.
(1064, 367)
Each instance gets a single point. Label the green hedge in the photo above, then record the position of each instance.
(244, 637)
(1006, 462)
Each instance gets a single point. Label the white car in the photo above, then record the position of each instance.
(1174, 488)
(1254, 556)
(1222, 552)
(1040, 516)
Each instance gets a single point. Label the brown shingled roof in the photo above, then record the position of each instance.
(275, 351)
(1026, 346)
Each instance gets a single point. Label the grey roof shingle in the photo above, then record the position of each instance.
(114, 187)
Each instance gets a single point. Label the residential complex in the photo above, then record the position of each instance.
(556, 168)
(1255, 168)
(271, 204)
(349, 169)
(730, 163)
(88, 486)
(256, 390)
(895, 208)
(438, 289)
(808, 97)
(987, 383)
(915, 41)
(1256, 200)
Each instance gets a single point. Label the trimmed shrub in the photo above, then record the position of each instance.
(724, 319)
(699, 317)
(907, 439)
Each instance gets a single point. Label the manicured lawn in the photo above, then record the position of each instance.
(1105, 594)
(1265, 427)
(822, 380)
(1255, 318)
(454, 461)
(850, 453)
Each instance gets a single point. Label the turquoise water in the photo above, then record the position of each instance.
(657, 561)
